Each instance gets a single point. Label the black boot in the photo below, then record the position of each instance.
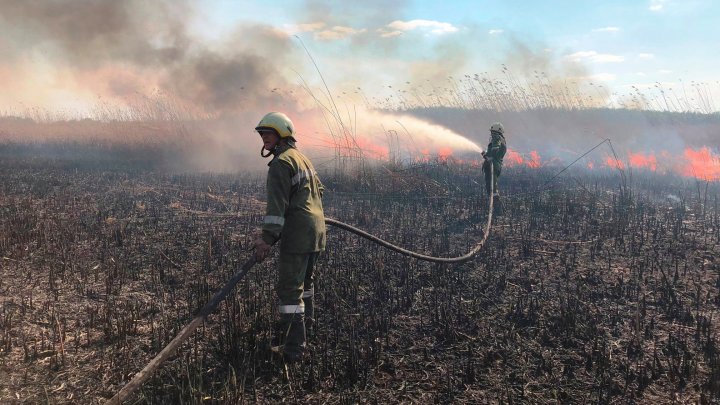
(295, 338)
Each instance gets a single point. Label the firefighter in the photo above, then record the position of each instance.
(494, 156)
(294, 216)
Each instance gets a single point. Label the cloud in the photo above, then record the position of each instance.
(435, 27)
(606, 29)
(593, 56)
(664, 71)
(603, 77)
(292, 29)
(338, 32)
(646, 56)
(657, 5)
(495, 32)
(389, 34)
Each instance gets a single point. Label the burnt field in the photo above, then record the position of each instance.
(590, 288)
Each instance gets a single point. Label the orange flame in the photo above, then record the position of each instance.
(513, 158)
(641, 160)
(444, 153)
(373, 150)
(425, 156)
(701, 163)
(534, 161)
(614, 163)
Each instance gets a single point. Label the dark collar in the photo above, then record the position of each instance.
(279, 151)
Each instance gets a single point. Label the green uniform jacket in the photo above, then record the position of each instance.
(496, 150)
(294, 210)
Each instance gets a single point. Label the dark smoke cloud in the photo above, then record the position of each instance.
(120, 48)
(238, 76)
(143, 54)
(88, 33)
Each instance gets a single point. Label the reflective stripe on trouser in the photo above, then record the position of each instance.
(292, 309)
(295, 274)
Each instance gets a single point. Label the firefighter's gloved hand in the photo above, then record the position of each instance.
(262, 250)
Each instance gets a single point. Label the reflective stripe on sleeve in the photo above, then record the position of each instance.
(302, 175)
(308, 293)
(292, 309)
(272, 219)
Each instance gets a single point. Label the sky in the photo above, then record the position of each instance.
(71, 55)
(351, 73)
(614, 43)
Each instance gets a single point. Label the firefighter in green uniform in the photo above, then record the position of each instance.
(294, 216)
(494, 156)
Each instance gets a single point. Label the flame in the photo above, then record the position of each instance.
(373, 150)
(698, 163)
(534, 161)
(614, 163)
(444, 153)
(641, 160)
(513, 158)
(701, 164)
(424, 156)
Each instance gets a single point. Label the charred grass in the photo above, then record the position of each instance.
(587, 291)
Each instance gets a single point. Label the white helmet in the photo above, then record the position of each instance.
(279, 122)
(497, 127)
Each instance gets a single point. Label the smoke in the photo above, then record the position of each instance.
(563, 135)
(224, 83)
(116, 51)
(86, 34)
(144, 55)
(137, 60)
(140, 61)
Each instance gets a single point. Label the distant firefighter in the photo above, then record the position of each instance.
(494, 155)
(294, 216)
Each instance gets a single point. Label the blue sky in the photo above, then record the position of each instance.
(67, 55)
(619, 43)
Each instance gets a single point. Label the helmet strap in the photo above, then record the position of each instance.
(262, 148)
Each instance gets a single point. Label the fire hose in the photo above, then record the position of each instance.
(458, 259)
(143, 375)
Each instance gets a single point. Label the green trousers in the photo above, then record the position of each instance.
(294, 279)
(491, 179)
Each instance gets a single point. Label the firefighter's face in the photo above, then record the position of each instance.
(270, 139)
